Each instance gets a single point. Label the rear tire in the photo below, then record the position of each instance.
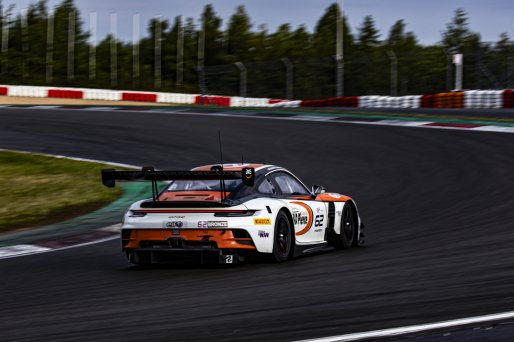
(143, 259)
(283, 240)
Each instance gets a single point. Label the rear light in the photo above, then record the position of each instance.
(137, 213)
(242, 213)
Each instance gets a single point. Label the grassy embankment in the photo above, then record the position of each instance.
(37, 190)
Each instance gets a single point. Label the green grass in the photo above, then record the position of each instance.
(36, 190)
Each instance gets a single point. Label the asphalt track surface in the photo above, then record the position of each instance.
(437, 206)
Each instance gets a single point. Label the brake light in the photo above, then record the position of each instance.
(242, 213)
(137, 213)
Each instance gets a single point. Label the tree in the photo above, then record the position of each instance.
(399, 38)
(459, 39)
(404, 46)
(61, 44)
(319, 71)
(371, 63)
(368, 36)
(457, 31)
(325, 34)
(239, 35)
(213, 36)
(502, 61)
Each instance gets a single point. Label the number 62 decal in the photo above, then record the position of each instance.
(318, 221)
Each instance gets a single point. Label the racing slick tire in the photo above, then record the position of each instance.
(142, 259)
(283, 239)
(348, 234)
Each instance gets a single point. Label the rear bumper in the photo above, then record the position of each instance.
(187, 238)
(186, 255)
(223, 246)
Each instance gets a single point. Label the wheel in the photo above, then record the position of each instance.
(142, 259)
(283, 239)
(348, 234)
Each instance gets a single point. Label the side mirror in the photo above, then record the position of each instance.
(317, 189)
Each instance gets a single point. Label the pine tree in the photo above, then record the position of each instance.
(457, 31)
(368, 36)
(459, 39)
(213, 36)
(372, 66)
(239, 36)
(404, 46)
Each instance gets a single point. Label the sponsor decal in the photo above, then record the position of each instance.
(335, 195)
(263, 234)
(318, 230)
(302, 218)
(174, 224)
(217, 224)
(261, 221)
(175, 232)
(339, 213)
(212, 224)
(299, 217)
(176, 217)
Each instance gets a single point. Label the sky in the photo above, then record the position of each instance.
(426, 18)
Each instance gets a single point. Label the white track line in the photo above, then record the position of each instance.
(24, 250)
(19, 250)
(413, 328)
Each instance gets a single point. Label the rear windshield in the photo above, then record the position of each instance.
(203, 185)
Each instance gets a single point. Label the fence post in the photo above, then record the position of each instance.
(180, 54)
(448, 55)
(25, 41)
(92, 46)
(158, 48)
(49, 48)
(135, 48)
(394, 72)
(71, 46)
(458, 61)
(289, 77)
(510, 60)
(114, 51)
(5, 43)
(242, 78)
(339, 50)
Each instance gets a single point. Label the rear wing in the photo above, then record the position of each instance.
(247, 175)
(110, 176)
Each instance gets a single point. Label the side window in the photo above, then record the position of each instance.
(266, 187)
(289, 185)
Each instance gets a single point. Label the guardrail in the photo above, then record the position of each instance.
(460, 99)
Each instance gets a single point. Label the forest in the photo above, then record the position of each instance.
(52, 47)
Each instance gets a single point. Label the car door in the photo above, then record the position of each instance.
(309, 216)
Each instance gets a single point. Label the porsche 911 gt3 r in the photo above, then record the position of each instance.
(228, 212)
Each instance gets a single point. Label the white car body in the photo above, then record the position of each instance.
(157, 227)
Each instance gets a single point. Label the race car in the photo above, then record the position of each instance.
(226, 213)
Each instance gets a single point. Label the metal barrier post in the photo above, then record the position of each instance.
(394, 72)
(289, 77)
(242, 78)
